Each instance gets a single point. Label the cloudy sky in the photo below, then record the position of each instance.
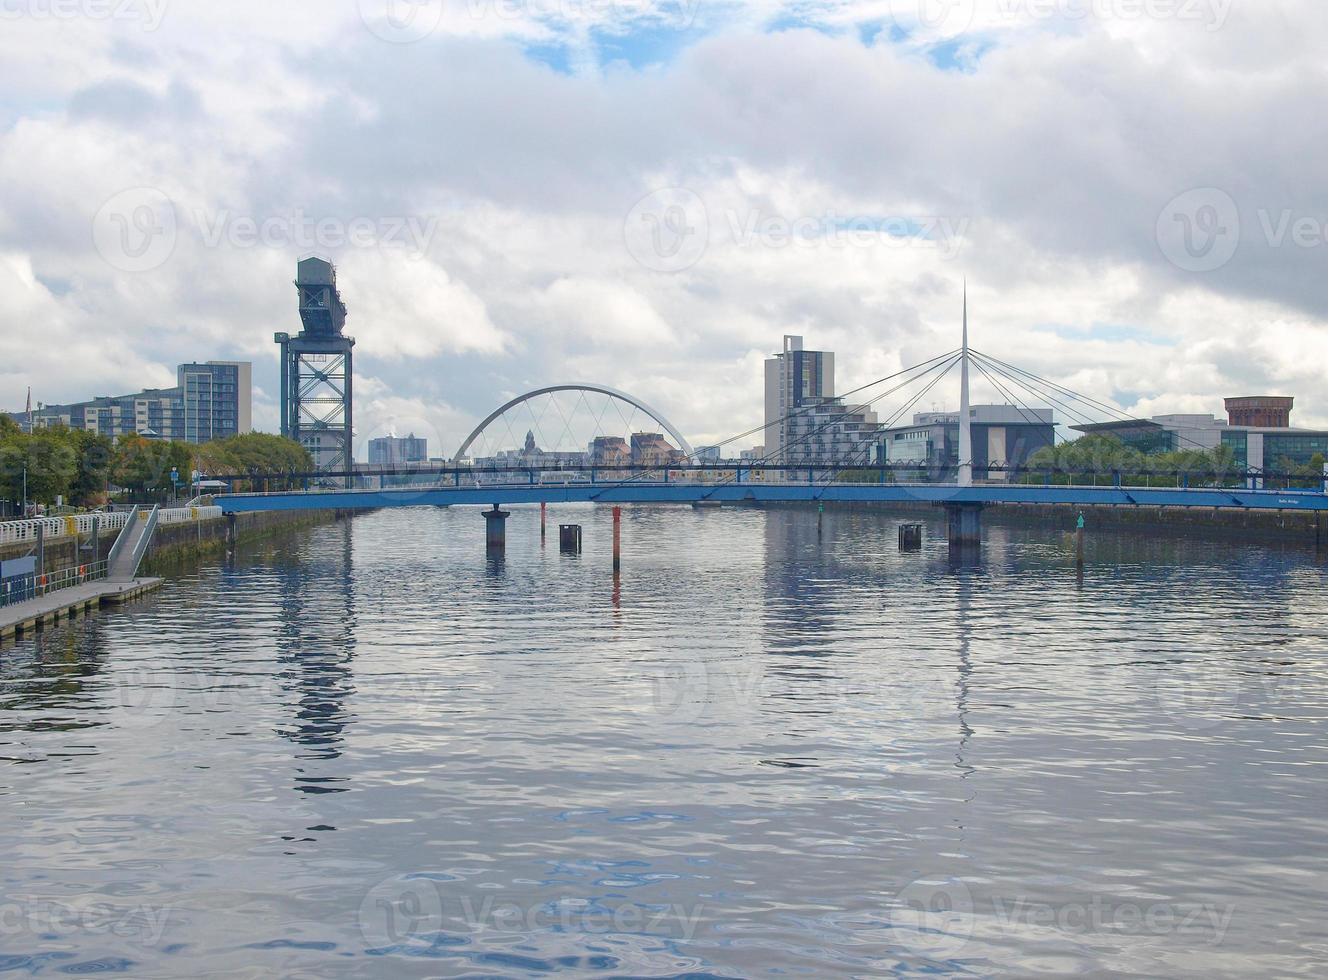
(648, 195)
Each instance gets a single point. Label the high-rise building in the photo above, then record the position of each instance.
(804, 421)
(216, 399)
(212, 400)
(391, 450)
(794, 378)
(316, 371)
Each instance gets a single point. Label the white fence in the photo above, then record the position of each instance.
(17, 532)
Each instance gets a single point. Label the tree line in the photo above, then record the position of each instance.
(86, 469)
(1108, 459)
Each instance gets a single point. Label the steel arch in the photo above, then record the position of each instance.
(683, 444)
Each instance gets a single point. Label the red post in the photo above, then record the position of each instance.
(617, 538)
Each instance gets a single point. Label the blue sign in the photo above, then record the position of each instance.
(18, 566)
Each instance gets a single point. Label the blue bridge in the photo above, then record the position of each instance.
(692, 490)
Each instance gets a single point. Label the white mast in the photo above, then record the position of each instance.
(965, 428)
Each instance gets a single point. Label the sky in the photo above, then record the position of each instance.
(650, 195)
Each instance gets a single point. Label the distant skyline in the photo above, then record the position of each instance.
(649, 196)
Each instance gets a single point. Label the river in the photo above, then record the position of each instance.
(367, 749)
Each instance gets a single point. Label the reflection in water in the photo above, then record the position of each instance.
(780, 752)
(315, 642)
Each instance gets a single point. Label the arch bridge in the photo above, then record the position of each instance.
(583, 387)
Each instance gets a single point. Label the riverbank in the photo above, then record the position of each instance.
(187, 543)
(1310, 529)
(174, 543)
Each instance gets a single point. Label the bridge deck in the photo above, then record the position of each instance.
(694, 492)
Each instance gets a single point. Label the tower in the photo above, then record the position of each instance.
(965, 415)
(316, 371)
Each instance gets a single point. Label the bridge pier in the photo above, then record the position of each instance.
(964, 524)
(495, 530)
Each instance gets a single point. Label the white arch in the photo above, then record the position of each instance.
(683, 444)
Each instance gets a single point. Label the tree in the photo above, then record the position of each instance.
(254, 453)
(145, 464)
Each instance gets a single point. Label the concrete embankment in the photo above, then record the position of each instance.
(1229, 523)
(207, 539)
(174, 543)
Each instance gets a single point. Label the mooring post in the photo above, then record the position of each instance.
(495, 530)
(820, 517)
(544, 513)
(1079, 543)
(964, 524)
(617, 538)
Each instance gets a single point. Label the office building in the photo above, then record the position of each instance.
(793, 379)
(393, 450)
(1253, 444)
(211, 400)
(804, 421)
(1003, 435)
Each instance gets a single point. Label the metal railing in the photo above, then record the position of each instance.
(18, 532)
(34, 586)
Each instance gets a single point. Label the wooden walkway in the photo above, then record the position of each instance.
(28, 617)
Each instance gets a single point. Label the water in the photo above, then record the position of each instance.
(366, 750)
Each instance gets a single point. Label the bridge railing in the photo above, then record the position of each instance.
(75, 525)
(808, 472)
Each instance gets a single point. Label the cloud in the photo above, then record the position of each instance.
(848, 179)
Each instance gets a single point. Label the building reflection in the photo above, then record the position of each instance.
(315, 648)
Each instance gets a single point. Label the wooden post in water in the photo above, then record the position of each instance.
(820, 517)
(544, 513)
(1079, 544)
(617, 538)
